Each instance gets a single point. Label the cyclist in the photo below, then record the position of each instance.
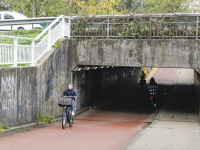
(153, 89)
(142, 79)
(70, 92)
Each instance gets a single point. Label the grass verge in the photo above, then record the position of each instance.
(21, 33)
(48, 118)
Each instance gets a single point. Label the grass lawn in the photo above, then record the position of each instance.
(21, 33)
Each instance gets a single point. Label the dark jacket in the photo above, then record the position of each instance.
(142, 76)
(69, 92)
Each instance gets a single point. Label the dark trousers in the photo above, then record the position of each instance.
(154, 98)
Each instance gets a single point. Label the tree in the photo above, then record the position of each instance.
(21, 6)
(3, 5)
(38, 8)
(132, 5)
(49, 8)
(99, 7)
(55, 8)
(35, 7)
(165, 6)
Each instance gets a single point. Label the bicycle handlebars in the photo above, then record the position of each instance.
(69, 96)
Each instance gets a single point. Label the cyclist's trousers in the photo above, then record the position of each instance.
(73, 105)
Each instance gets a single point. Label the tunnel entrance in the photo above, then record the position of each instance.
(176, 97)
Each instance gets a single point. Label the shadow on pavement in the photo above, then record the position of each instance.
(133, 105)
(135, 100)
(182, 99)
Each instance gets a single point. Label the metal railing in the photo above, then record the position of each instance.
(16, 54)
(31, 21)
(138, 26)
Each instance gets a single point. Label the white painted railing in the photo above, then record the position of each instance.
(16, 54)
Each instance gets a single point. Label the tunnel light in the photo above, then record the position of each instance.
(79, 69)
(95, 67)
(107, 66)
(88, 68)
(112, 66)
(102, 67)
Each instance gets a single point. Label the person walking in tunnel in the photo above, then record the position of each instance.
(153, 91)
(142, 75)
(71, 92)
(142, 79)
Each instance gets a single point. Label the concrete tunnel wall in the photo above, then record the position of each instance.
(197, 87)
(164, 53)
(96, 85)
(26, 91)
(161, 53)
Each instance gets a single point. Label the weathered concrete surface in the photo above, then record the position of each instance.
(26, 91)
(19, 95)
(181, 53)
(197, 87)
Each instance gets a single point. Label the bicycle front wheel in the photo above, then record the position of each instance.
(69, 117)
(64, 118)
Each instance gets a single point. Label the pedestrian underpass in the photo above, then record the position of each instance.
(28, 91)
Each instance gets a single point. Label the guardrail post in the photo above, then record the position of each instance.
(197, 29)
(32, 53)
(63, 27)
(68, 34)
(49, 40)
(150, 27)
(15, 51)
(108, 28)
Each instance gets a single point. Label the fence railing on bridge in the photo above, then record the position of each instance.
(138, 26)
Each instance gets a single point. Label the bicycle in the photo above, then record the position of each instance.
(66, 103)
(152, 101)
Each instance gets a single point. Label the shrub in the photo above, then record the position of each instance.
(46, 118)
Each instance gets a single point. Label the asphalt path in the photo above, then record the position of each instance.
(110, 124)
(176, 127)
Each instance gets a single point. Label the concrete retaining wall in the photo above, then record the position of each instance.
(19, 95)
(197, 87)
(26, 91)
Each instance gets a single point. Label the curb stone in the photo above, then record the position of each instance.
(18, 128)
(28, 126)
(35, 125)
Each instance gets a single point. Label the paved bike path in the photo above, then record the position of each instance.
(177, 125)
(106, 126)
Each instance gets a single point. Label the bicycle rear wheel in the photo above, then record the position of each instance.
(64, 118)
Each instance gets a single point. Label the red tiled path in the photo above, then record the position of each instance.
(108, 126)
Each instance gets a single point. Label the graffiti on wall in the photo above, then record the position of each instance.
(9, 92)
